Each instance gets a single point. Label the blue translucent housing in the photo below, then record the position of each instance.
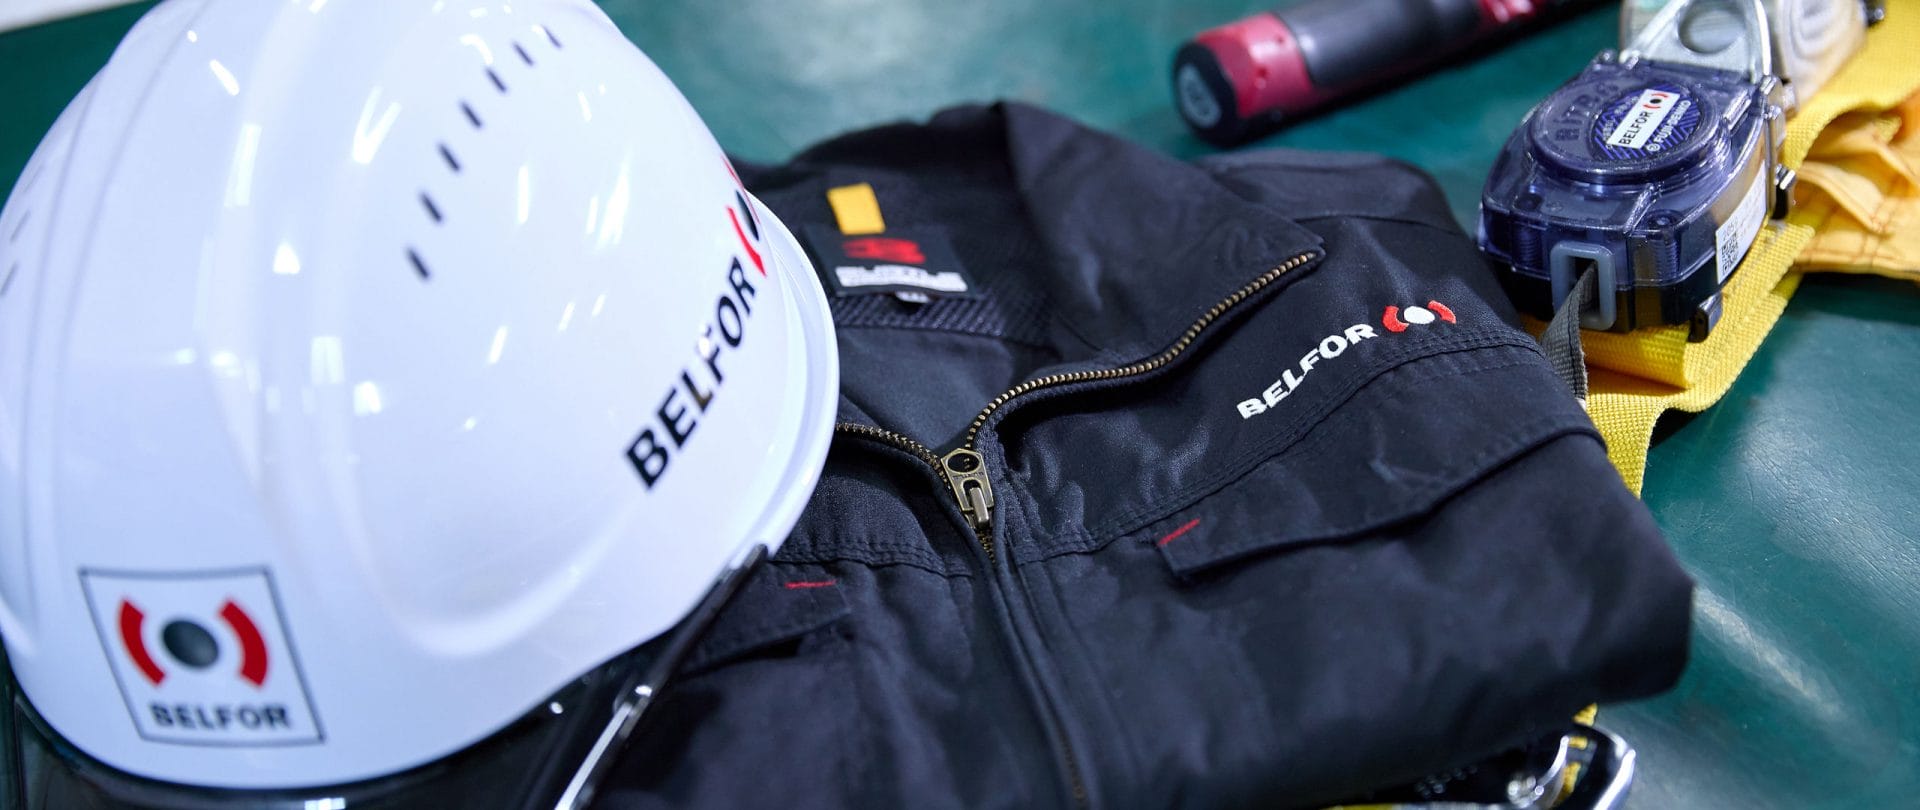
(1656, 175)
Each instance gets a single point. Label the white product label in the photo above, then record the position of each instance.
(1643, 119)
(886, 275)
(202, 658)
(1736, 235)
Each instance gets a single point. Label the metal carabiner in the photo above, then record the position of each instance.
(1812, 39)
(1605, 776)
(1695, 32)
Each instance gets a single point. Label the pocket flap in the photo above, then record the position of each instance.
(780, 603)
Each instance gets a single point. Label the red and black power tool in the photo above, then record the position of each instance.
(1245, 78)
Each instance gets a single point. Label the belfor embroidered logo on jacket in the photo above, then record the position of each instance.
(1395, 319)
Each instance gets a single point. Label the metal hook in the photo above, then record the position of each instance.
(1681, 33)
(1603, 783)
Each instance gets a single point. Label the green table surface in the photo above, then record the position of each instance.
(1793, 501)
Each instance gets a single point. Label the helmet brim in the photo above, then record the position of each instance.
(525, 764)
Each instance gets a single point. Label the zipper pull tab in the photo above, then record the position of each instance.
(967, 473)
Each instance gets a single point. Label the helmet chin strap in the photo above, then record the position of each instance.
(635, 696)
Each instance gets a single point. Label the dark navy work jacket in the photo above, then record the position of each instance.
(1295, 511)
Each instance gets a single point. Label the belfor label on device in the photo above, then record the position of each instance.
(1655, 169)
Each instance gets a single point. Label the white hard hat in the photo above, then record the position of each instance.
(373, 372)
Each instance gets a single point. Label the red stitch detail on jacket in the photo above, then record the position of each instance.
(819, 583)
(1177, 532)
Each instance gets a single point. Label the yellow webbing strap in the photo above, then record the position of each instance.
(1633, 378)
(1861, 188)
(1857, 149)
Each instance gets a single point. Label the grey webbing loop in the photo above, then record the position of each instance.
(1561, 341)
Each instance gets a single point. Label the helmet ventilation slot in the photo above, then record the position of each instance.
(24, 197)
(447, 156)
(13, 262)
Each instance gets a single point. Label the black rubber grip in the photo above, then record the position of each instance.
(1347, 42)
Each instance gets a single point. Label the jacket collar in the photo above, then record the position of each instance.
(1126, 246)
(1141, 244)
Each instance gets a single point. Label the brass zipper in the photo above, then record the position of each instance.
(961, 470)
(965, 472)
(899, 440)
(1144, 366)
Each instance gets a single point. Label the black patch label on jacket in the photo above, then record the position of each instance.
(916, 262)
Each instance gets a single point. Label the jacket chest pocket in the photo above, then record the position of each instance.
(1350, 450)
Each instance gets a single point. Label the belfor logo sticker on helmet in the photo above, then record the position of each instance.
(295, 515)
(1395, 319)
(202, 658)
(649, 455)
